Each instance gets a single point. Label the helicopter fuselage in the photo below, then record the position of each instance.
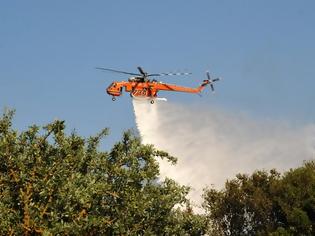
(138, 88)
(141, 86)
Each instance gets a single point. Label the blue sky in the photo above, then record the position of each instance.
(264, 50)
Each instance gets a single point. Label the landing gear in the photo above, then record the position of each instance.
(152, 101)
(113, 99)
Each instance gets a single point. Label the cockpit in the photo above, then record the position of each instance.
(114, 90)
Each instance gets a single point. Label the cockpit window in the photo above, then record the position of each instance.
(111, 85)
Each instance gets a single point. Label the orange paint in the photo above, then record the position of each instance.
(149, 89)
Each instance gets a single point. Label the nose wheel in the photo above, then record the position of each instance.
(113, 99)
(152, 101)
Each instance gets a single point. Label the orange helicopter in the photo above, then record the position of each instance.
(141, 87)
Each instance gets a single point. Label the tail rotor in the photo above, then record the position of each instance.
(211, 81)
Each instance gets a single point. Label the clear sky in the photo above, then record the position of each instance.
(264, 50)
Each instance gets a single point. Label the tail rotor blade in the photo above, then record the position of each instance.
(212, 87)
(208, 75)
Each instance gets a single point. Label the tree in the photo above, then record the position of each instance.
(265, 203)
(52, 183)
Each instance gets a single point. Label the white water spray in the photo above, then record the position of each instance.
(214, 145)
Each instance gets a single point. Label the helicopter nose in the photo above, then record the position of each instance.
(113, 92)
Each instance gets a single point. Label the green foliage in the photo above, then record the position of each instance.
(57, 184)
(265, 204)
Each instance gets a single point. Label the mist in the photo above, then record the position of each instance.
(213, 145)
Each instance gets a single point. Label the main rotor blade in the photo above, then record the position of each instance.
(141, 71)
(117, 71)
(170, 74)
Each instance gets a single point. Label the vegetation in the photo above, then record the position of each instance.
(265, 204)
(52, 183)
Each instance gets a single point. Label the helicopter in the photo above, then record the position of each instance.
(140, 86)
